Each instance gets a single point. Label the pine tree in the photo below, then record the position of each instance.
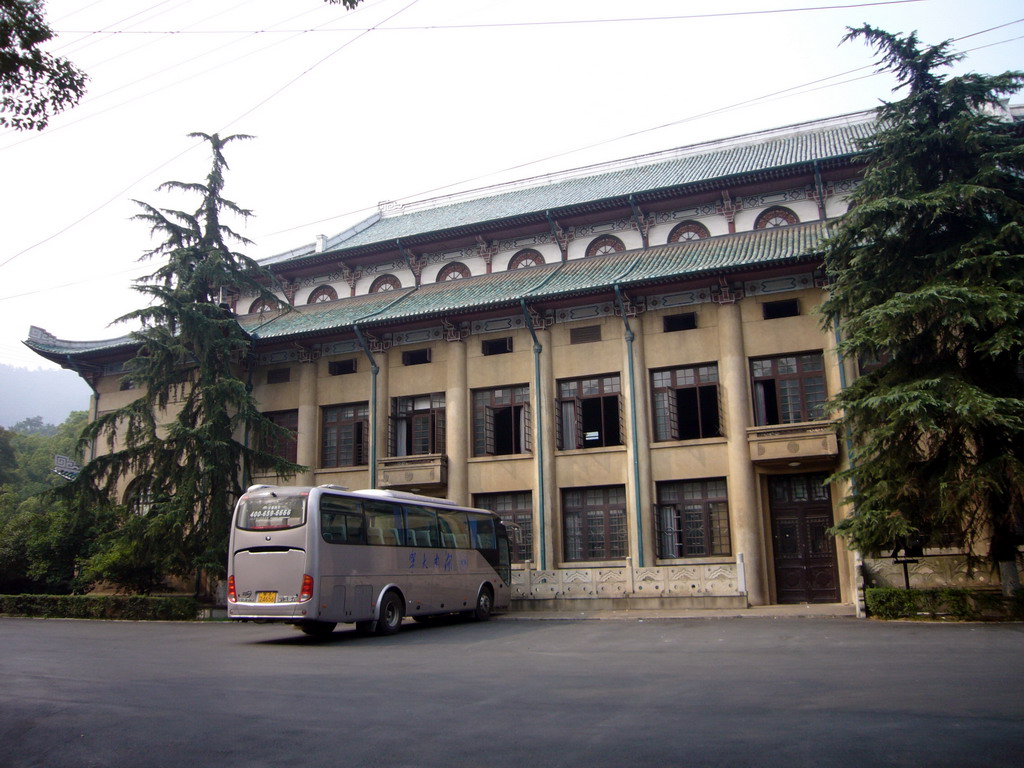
(927, 281)
(184, 443)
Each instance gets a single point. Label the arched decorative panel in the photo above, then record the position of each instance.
(604, 245)
(688, 230)
(776, 216)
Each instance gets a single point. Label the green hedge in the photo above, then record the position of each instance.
(948, 602)
(127, 607)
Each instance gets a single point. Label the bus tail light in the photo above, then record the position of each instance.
(307, 588)
(232, 594)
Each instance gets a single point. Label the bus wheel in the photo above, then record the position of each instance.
(318, 628)
(390, 614)
(484, 603)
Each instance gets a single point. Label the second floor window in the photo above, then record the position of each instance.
(588, 413)
(501, 421)
(417, 425)
(789, 389)
(346, 435)
(686, 403)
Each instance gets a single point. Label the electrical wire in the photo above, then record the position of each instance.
(565, 22)
(738, 105)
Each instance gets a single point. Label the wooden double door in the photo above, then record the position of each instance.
(806, 570)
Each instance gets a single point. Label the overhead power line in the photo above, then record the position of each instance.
(510, 24)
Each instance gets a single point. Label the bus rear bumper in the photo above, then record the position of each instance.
(286, 612)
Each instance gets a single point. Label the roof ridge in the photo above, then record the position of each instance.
(393, 209)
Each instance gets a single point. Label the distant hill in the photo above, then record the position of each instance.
(51, 394)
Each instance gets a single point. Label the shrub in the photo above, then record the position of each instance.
(953, 602)
(891, 603)
(125, 607)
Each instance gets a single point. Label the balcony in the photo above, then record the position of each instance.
(789, 443)
(429, 470)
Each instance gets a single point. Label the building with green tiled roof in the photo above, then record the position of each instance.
(624, 360)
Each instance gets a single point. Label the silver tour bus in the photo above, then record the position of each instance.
(318, 556)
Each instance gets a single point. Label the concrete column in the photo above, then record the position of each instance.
(457, 427)
(306, 438)
(638, 482)
(745, 514)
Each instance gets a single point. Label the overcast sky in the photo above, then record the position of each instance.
(399, 100)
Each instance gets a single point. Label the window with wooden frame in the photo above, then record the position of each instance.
(594, 523)
(688, 230)
(516, 508)
(345, 435)
(604, 245)
(385, 283)
(776, 216)
(586, 334)
(693, 519)
(772, 310)
(528, 257)
(501, 421)
(341, 367)
(453, 271)
(279, 375)
(416, 357)
(789, 389)
(417, 425)
(262, 305)
(500, 346)
(321, 294)
(683, 321)
(589, 413)
(283, 446)
(685, 403)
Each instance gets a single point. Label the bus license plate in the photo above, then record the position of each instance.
(266, 597)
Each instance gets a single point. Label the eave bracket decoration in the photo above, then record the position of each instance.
(726, 293)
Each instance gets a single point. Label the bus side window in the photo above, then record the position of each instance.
(421, 526)
(454, 529)
(385, 523)
(341, 520)
(481, 528)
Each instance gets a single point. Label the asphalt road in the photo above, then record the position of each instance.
(694, 692)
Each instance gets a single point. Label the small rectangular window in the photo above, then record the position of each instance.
(341, 367)
(585, 335)
(497, 346)
(776, 309)
(685, 321)
(279, 375)
(416, 357)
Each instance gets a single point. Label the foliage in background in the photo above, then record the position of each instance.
(195, 430)
(927, 281)
(45, 542)
(34, 85)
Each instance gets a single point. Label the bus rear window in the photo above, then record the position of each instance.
(260, 513)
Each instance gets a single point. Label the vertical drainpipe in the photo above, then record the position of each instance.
(632, 429)
(537, 349)
(819, 186)
(374, 370)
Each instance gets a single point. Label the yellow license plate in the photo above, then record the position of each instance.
(266, 597)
